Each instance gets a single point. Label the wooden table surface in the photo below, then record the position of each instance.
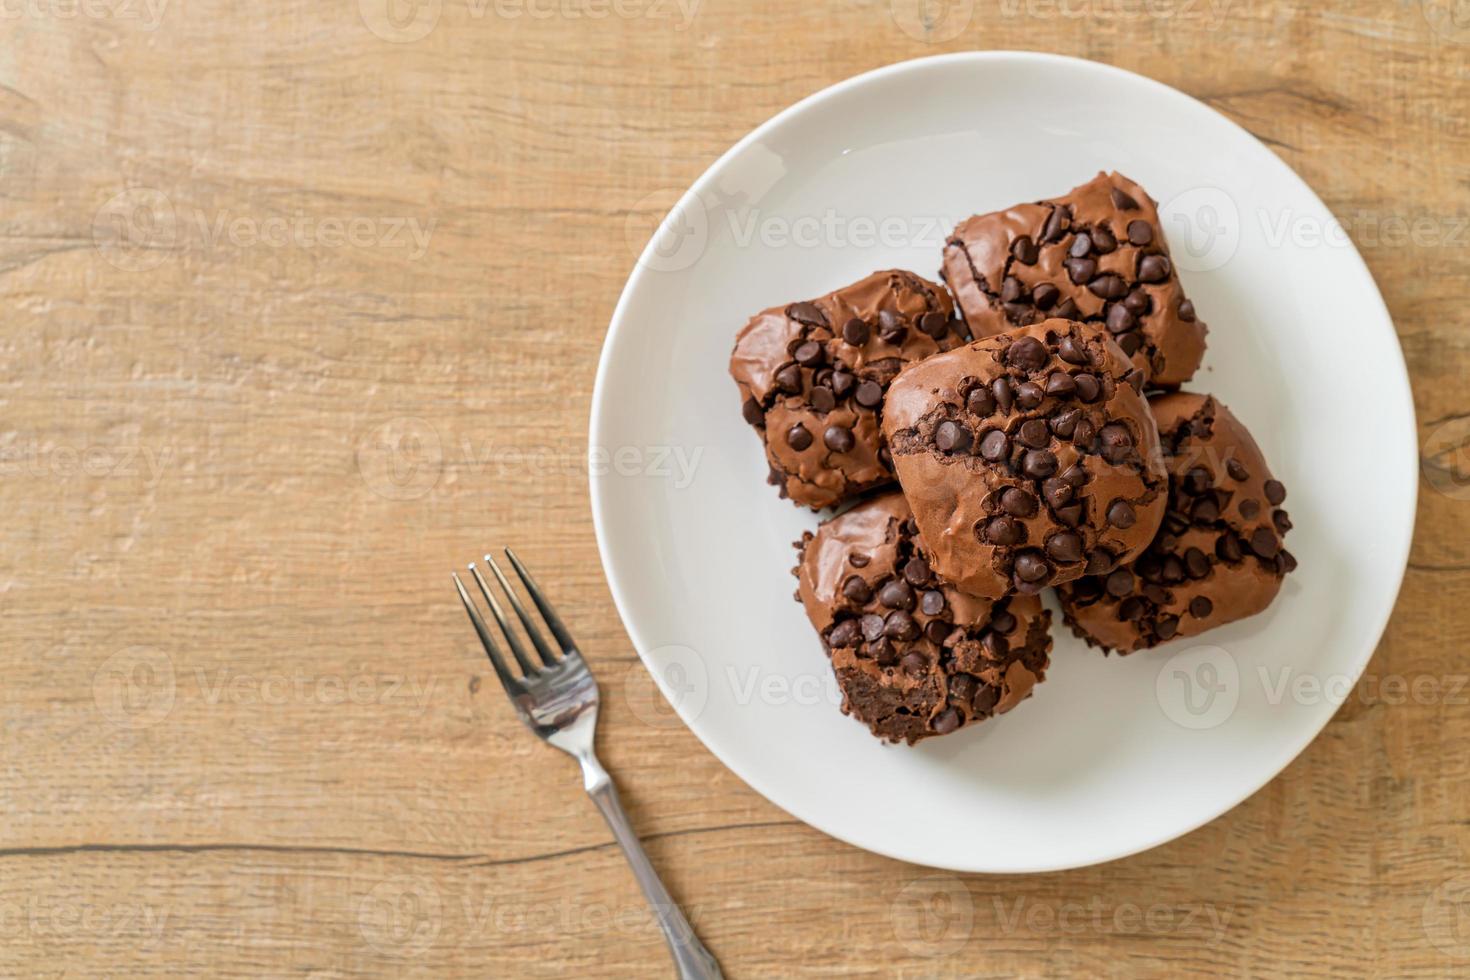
(303, 300)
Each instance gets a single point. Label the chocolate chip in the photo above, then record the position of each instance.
(995, 645)
(1081, 246)
(1196, 564)
(1084, 433)
(1103, 241)
(1108, 286)
(809, 313)
(1137, 301)
(1130, 608)
(751, 412)
(1056, 224)
(915, 664)
(1156, 594)
(1200, 607)
(1281, 520)
(937, 630)
(1031, 567)
(1068, 310)
(896, 594)
(798, 438)
(1089, 389)
(1100, 562)
(1072, 351)
(1130, 343)
(1121, 515)
(934, 324)
(1075, 475)
(1003, 531)
(946, 721)
(842, 382)
(1197, 480)
(1000, 388)
(856, 332)
(962, 687)
(1039, 463)
(858, 560)
(1029, 394)
(844, 634)
(872, 626)
(931, 603)
(900, 626)
(1027, 354)
(980, 401)
(1065, 423)
(1140, 232)
(1070, 515)
(1011, 289)
(1117, 442)
(869, 394)
(890, 328)
(1045, 296)
(884, 651)
(1286, 561)
(1249, 508)
(1263, 542)
(1060, 385)
(1227, 548)
(1237, 469)
(1056, 492)
(1153, 268)
(1122, 201)
(1275, 492)
(1120, 320)
(809, 354)
(1065, 546)
(1017, 502)
(995, 446)
(1003, 622)
(838, 439)
(1024, 250)
(1119, 582)
(788, 379)
(855, 589)
(1034, 433)
(822, 399)
(951, 437)
(1206, 510)
(1080, 270)
(916, 571)
(1186, 310)
(1166, 627)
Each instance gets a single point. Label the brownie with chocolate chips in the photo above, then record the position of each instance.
(812, 377)
(1097, 254)
(1218, 556)
(913, 655)
(1029, 458)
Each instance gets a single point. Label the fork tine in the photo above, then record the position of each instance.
(542, 647)
(558, 629)
(509, 682)
(510, 636)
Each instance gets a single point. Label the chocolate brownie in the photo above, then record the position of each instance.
(913, 655)
(812, 377)
(1218, 556)
(1097, 254)
(1029, 458)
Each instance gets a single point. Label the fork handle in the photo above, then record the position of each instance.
(690, 956)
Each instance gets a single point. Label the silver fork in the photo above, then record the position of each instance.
(558, 701)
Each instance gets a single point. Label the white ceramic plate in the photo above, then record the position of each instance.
(1110, 756)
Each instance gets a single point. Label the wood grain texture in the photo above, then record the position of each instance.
(243, 728)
